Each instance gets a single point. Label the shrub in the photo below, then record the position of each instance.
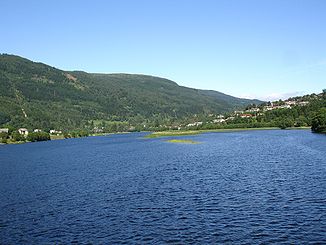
(18, 137)
(38, 136)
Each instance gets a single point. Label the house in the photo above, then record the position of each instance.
(97, 130)
(23, 131)
(290, 102)
(37, 130)
(194, 124)
(268, 108)
(57, 132)
(281, 107)
(4, 130)
(245, 115)
(238, 112)
(253, 110)
(303, 103)
(221, 120)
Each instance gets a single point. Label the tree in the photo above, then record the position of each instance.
(4, 135)
(38, 136)
(300, 121)
(82, 133)
(319, 122)
(18, 137)
(4, 118)
(66, 135)
(285, 123)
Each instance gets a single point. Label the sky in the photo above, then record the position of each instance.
(266, 49)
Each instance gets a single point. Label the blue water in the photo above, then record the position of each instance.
(257, 187)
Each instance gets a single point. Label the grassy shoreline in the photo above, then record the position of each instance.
(169, 133)
(179, 141)
(59, 137)
(196, 132)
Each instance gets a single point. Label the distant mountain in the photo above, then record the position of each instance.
(40, 96)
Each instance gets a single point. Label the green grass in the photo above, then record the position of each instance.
(182, 141)
(297, 128)
(196, 132)
(57, 137)
(172, 133)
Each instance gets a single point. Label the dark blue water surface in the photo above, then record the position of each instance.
(246, 187)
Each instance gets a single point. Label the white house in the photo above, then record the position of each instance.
(4, 130)
(57, 132)
(303, 103)
(290, 102)
(268, 108)
(238, 112)
(283, 107)
(230, 118)
(23, 131)
(253, 110)
(221, 120)
(37, 130)
(194, 124)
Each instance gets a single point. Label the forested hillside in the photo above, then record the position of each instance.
(35, 95)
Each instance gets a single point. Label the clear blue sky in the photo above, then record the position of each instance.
(244, 48)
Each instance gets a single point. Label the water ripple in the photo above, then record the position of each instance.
(262, 187)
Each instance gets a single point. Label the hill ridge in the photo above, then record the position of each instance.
(54, 98)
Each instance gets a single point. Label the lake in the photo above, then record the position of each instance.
(249, 187)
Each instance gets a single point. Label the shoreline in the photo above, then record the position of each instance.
(197, 132)
(60, 137)
(159, 134)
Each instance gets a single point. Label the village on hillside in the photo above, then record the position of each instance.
(254, 111)
(252, 116)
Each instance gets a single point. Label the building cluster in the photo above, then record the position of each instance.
(252, 112)
(287, 105)
(258, 111)
(25, 132)
(55, 132)
(195, 124)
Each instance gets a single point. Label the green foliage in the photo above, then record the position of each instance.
(4, 118)
(4, 135)
(16, 137)
(319, 121)
(75, 134)
(52, 98)
(285, 123)
(38, 136)
(66, 135)
(82, 133)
